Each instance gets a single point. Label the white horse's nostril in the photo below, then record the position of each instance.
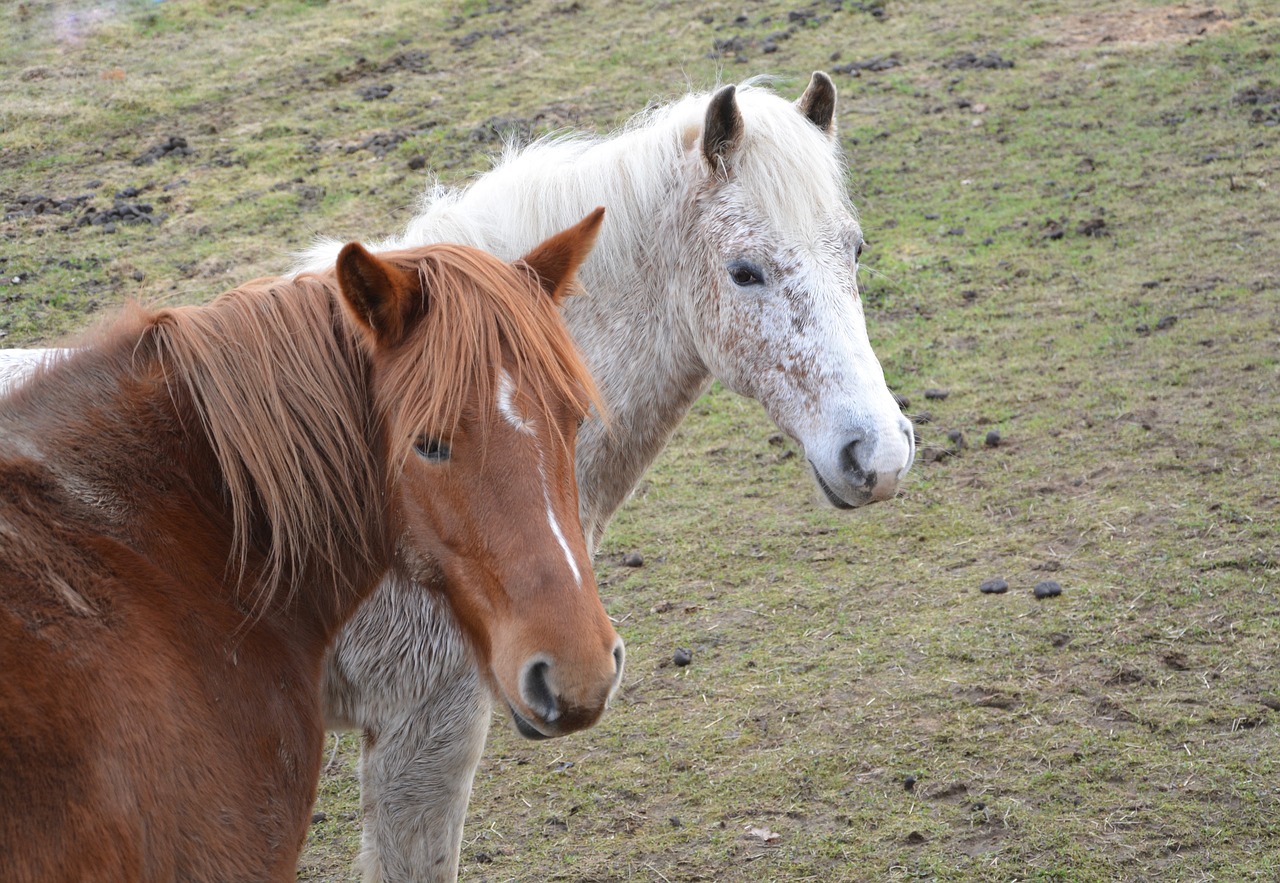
(851, 456)
(909, 433)
(619, 662)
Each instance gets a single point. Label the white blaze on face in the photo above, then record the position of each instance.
(507, 408)
(507, 405)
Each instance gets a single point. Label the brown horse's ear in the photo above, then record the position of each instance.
(374, 291)
(556, 260)
(722, 130)
(818, 103)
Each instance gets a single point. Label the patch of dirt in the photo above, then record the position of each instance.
(1262, 101)
(988, 698)
(1137, 26)
(414, 61)
(470, 39)
(988, 840)
(497, 129)
(949, 792)
(971, 61)
(32, 204)
(174, 145)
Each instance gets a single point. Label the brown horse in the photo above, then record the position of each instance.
(191, 506)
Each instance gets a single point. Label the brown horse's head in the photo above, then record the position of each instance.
(481, 391)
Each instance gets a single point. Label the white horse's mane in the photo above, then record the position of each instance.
(788, 170)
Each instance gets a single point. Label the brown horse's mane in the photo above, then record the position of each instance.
(280, 378)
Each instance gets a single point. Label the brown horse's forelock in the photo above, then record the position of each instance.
(480, 313)
(279, 377)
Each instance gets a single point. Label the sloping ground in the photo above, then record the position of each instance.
(1076, 237)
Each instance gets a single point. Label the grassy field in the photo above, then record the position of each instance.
(1074, 211)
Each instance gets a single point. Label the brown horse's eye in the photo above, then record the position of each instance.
(431, 449)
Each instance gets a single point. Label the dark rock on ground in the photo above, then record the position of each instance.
(682, 657)
(633, 559)
(1048, 588)
(995, 586)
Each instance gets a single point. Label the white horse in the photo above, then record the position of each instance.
(730, 251)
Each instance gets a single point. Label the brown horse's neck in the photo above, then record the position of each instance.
(123, 439)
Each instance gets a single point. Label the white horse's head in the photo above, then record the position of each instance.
(776, 314)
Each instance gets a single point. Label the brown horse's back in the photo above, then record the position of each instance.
(121, 757)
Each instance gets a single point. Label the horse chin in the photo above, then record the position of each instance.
(523, 727)
(832, 497)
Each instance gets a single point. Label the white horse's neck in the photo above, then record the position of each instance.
(649, 377)
(629, 326)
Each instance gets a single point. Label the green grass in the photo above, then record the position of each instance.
(1125, 730)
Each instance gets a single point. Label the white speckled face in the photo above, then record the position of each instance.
(781, 322)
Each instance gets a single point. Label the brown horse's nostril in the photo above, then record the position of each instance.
(537, 694)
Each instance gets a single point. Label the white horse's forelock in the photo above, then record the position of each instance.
(792, 174)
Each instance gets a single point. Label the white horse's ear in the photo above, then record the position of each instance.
(722, 130)
(818, 103)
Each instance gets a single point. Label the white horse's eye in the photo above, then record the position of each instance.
(431, 449)
(857, 250)
(744, 274)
